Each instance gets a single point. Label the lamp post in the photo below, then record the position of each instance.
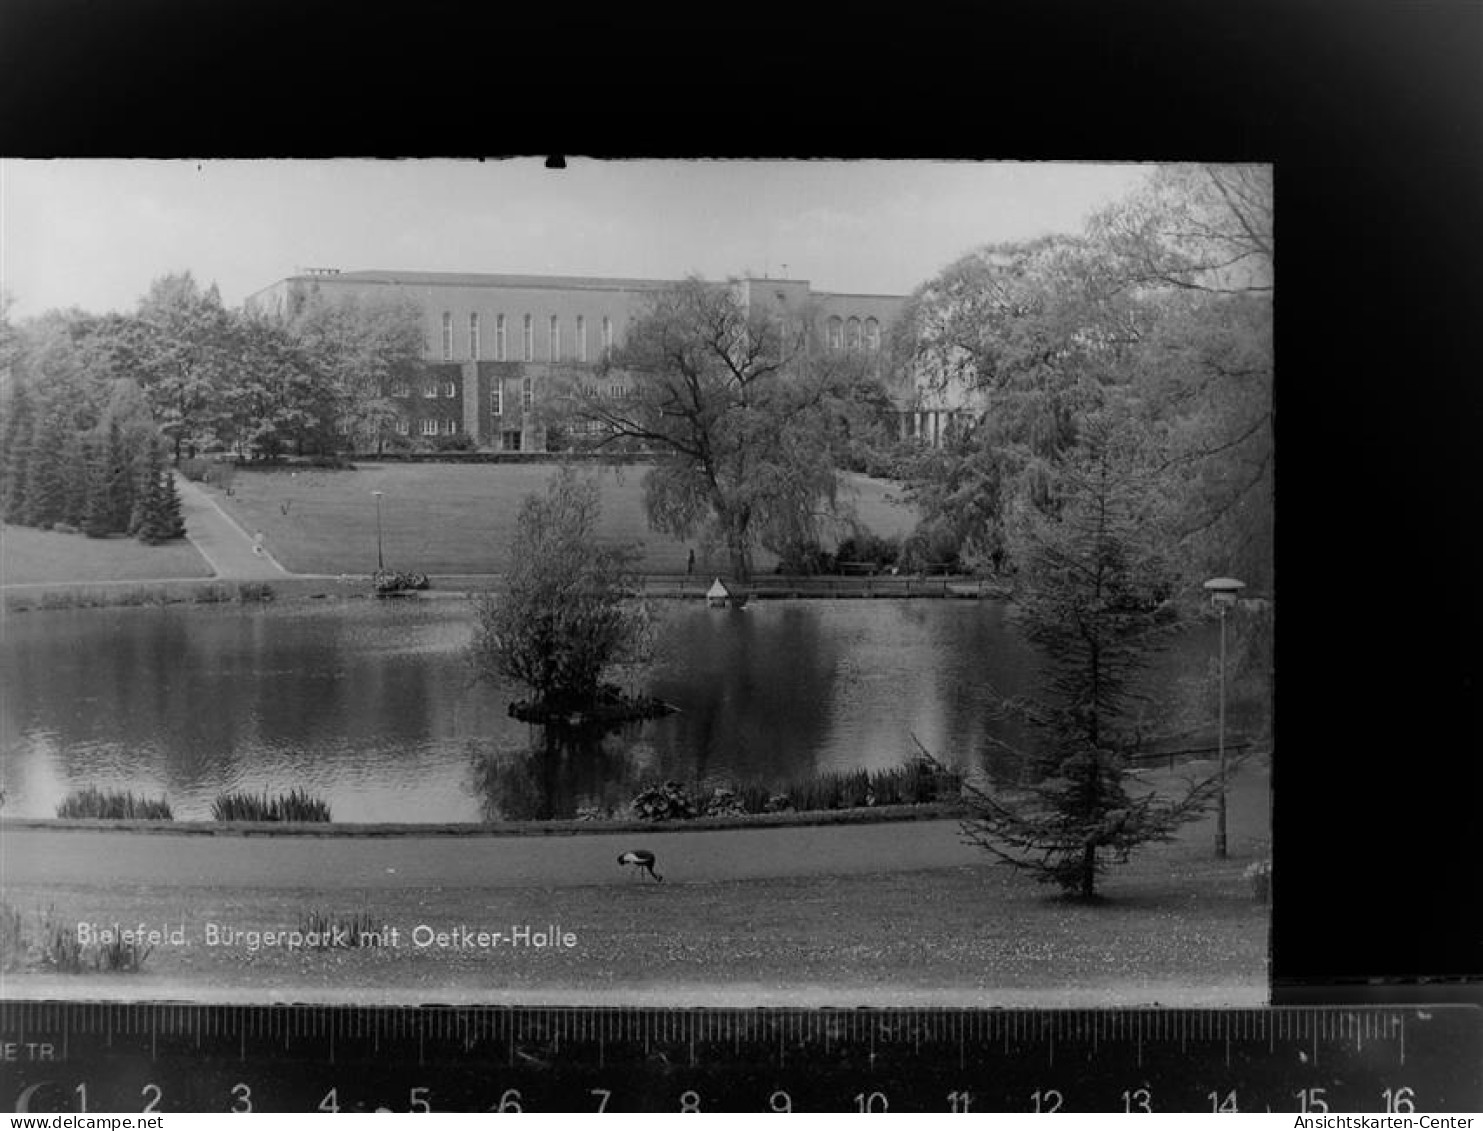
(380, 563)
(1223, 592)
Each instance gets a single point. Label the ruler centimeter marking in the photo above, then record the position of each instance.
(1319, 1056)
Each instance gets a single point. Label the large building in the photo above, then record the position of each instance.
(493, 342)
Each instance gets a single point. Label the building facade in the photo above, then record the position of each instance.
(493, 344)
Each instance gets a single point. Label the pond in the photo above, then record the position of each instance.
(371, 705)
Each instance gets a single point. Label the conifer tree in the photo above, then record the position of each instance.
(75, 476)
(15, 461)
(120, 480)
(48, 487)
(1093, 597)
(150, 523)
(172, 521)
(97, 518)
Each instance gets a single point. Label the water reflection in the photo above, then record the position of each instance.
(371, 705)
(563, 773)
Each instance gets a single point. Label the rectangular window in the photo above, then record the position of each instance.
(429, 426)
(530, 339)
(615, 391)
(554, 338)
(403, 427)
(527, 394)
(447, 336)
(581, 338)
(499, 337)
(511, 442)
(473, 337)
(401, 389)
(450, 427)
(450, 389)
(497, 398)
(607, 333)
(430, 390)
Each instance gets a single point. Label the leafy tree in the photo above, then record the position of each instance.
(1198, 241)
(1202, 228)
(360, 349)
(1094, 596)
(1167, 295)
(567, 614)
(185, 357)
(274, 401)
(9, 344)
(743, 411)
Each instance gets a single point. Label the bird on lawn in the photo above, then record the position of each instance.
(643, 860)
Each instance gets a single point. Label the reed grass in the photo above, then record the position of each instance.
(112, 805)
(296, 805)
(12, 939)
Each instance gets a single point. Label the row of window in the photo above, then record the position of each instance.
(432, 390)
(429, 427)
(497, 396)
(852, 333)
(527, 340)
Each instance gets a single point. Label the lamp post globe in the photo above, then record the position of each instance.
(380, 562)
(1223, 591)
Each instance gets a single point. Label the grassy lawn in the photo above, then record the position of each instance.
(33, 556)
(1177, 926)
(452, 519)
(1176, 919)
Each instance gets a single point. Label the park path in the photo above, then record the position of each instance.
(55, 857)
(230, 550)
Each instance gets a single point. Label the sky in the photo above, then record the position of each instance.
(94, 234)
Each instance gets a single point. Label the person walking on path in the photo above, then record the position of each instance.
(230, 550)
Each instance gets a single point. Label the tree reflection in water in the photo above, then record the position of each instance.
(563, 773)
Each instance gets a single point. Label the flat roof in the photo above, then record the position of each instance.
(473, 279)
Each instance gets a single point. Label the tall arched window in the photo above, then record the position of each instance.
(581, 338)
(473, 337)
(607, 333)
(499, 337)
(852, 334)
(872, 334)
(447, 336)
(836, 333)
(530, 339)
(553, 338)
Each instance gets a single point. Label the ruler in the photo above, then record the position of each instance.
(134, 1057)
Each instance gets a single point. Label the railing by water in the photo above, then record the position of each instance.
(774, 587)
(1233, 749)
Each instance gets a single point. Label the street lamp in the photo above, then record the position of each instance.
(1223, 592)
(380, 563)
